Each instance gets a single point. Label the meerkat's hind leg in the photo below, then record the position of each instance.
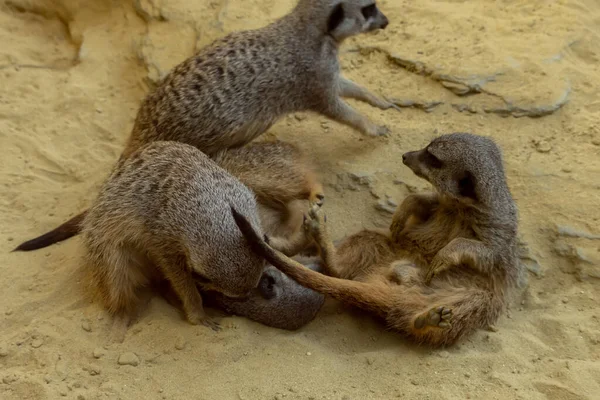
(437, 317)
(118, 329)
(175, 270)
(338, 110)
(353, 90)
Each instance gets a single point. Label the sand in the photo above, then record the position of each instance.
(524, 72)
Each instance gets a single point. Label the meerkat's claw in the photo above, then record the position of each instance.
(391, 104)
(383, 131)
(215, 326)
(434, 270)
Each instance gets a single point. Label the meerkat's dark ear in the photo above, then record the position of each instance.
(266, 286)
(466, 185)
(335, 18)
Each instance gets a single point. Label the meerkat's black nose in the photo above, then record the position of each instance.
(404, 158)
(385, 22)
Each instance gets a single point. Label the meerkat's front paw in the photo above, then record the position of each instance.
(317, 196)
(387, 104)
(436, 267)
(314, 222)
(374, 130)
(212, 324)
(200, 318)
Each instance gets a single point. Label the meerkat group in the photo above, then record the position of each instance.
(194, 206)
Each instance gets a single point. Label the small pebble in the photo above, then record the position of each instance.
(467, 375)
(36, 343)
(63, 390)
(47, 379)
(86, 326)
(94, 370)
(99, 352)
(129, 358)
(443, 354)
(565, 301)
(180, 343)
(3, 350)
(308, 353)
(8, 312)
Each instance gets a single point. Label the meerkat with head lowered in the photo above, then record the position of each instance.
(164, 214)
(450, 259)
(235, 89)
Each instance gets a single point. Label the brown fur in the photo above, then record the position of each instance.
(447, 264)
(164, 214)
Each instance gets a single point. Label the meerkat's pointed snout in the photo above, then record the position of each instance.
(384, 21)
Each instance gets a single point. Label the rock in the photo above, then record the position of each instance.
(94, 370)
(99, 352)
(568, 231)
(36, 343)
(384, 207)
(362, 178)
(47, 379)
(3, 350)
(180, 343)
(443, 354)
(86, 326)
(129, 358)
(542, 146)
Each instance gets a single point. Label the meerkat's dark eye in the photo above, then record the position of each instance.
(369, 11)
(430, 160)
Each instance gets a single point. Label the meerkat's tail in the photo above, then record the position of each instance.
(370, 297)
(69, 229)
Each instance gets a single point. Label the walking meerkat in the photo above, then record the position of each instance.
(280, 175)
(236, 88)
(448, 263)
(165, 214)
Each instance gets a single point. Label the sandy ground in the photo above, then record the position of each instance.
(72, 73)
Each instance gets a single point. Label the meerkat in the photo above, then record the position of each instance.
(236, 88)
(279, 173)
(164, 214)
(448, 263)
(278, 301)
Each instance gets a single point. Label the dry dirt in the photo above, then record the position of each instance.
(524, 72)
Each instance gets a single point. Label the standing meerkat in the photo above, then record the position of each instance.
(236, 88)
(450, 259)
(165, 214)
(278, 173)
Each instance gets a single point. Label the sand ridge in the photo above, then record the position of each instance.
(523, 72)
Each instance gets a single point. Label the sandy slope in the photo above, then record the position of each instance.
(71, 76)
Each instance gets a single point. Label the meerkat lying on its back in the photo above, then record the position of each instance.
(448, 264)
(164, 214)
